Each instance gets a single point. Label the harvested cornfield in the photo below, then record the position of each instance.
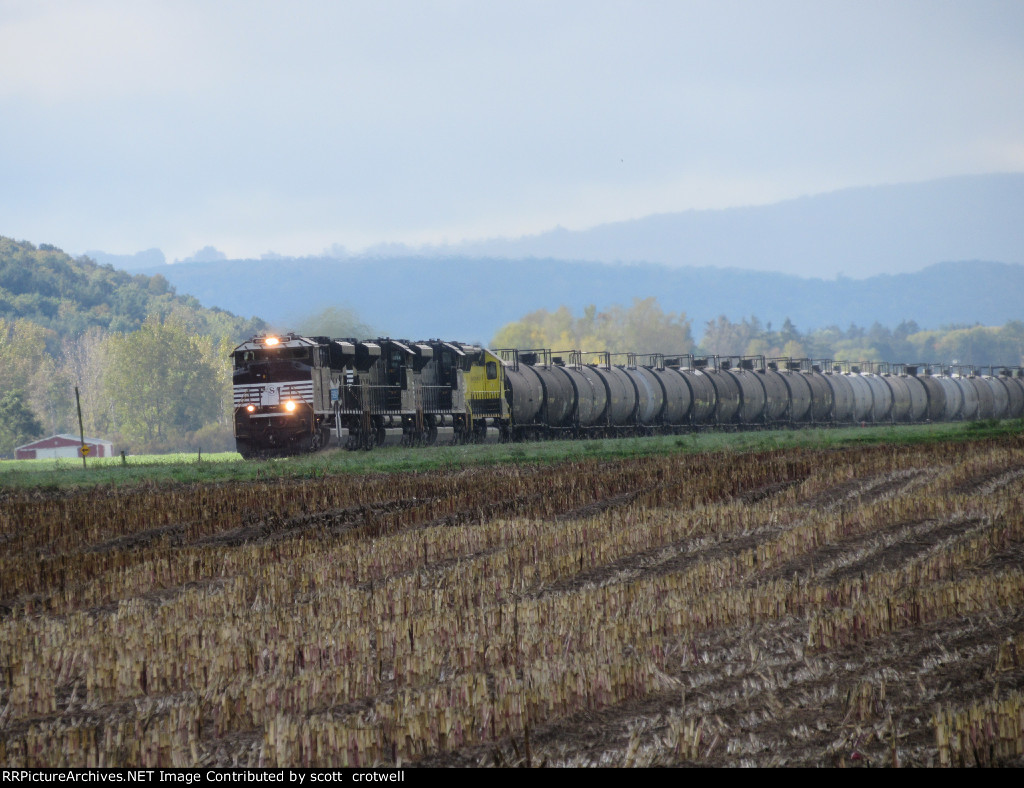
(862, 607)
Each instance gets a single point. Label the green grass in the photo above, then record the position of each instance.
(228, 467)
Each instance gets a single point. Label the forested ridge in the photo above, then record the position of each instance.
(70, 295)
(151, 365)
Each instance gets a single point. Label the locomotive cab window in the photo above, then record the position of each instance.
(492, 370)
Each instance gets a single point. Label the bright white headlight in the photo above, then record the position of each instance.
(289, 406)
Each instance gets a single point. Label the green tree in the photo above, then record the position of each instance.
(163, 384)
(18, 423)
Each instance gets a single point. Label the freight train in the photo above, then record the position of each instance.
(296, 394)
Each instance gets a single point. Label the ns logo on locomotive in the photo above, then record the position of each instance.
(295, 394)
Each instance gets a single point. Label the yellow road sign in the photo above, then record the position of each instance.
(84, 450)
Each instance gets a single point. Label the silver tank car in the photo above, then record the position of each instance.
(776, 405)
(800, 396)
(842, 392)
(622, 396)
(702, 392)
(678, 397)
(936, 393)
(969, 411)
(1000, 396)
(650, 400)
(1015, 393)
(589, 390)
(916, 392)
(727, 390)
(881, 394)
(986, 398)
(953, 392)
(753, 397)
(863, 399)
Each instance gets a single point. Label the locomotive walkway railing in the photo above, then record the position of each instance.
(375, 399)
(436, 399)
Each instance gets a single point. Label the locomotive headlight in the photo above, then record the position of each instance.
(271, 341)
(251, 408)
(289, 406)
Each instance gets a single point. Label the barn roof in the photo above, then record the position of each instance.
(63, 439)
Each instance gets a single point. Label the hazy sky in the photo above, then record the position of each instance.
(290, 126)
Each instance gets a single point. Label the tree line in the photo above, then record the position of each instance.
(644, 327)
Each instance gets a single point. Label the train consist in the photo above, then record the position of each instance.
(295, 394)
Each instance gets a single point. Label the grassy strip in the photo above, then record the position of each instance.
(229, 467)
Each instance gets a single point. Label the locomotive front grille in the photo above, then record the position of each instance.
(484, 403)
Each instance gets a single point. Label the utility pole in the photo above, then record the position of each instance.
(81, 429)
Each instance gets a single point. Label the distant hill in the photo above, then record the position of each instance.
(147, 258)
(858, 255)
(470, 299)
(858, 232)
(70, 295)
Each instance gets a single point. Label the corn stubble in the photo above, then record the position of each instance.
(849, 608)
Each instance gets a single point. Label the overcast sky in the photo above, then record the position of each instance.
(291, 126)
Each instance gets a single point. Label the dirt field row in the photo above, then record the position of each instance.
(862, 607)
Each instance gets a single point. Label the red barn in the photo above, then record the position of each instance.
(57, 446)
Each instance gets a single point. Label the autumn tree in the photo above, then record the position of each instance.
(640, 328)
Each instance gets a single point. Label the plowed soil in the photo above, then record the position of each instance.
(784, 609)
